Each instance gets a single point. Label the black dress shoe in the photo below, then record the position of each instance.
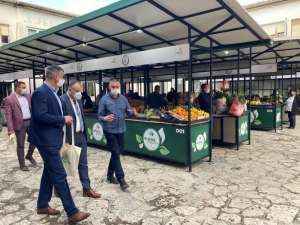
(112, 180)
(31, 160)
(24, 168)
(123, 184)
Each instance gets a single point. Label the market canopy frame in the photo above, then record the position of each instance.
(136, 25)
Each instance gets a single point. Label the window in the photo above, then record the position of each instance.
(275, 29)
(4, 32)
(32, 31)
(296, 28)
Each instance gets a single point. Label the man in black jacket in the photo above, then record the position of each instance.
(204, 98)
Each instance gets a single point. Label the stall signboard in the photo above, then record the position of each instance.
(147, 57)
(17, 75)
(167, 141)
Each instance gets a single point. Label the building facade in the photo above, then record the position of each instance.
(19, 19)
(279, 18)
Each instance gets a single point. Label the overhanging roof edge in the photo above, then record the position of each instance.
(78, 20)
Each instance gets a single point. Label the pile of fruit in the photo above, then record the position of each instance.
(182, 114)
(254, 102)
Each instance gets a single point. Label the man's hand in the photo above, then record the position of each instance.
(135, 113)
(109, 118)
(68, 120)
(11, 136)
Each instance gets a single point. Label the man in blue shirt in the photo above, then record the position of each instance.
(112, 110)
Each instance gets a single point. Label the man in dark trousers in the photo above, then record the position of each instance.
(204, 98)
(112, 110)
(72, 106)
(18, 115)
(46, 132)
(292, 105)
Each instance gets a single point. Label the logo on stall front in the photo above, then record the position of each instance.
(244, 128)
(153, 140)
(278, 117)
(200, 143)
(125, 60)
(97, 132)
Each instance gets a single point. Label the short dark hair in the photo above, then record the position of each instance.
(157, 87)
(19, 83)
(73, 82)
(50, 70)
(203, 86)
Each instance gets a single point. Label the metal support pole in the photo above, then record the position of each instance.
(190, 71)
(238, 72)
(33, 75)
(121, 71)
(244, 85)
(85, 83)
(275, 110)
(131, 78)
(100, 83)
(45, 65)
(291, 82)
(176, 76)
(232, 85)
(211, 100)
(250, 91)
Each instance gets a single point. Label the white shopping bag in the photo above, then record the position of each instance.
(70, 155)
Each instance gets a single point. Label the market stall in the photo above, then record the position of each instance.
(156, 139)
(266, 117)
(233, 130)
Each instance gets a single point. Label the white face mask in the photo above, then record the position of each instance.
(115, 92)
(24, 92)
(78, 96)
(61, 83)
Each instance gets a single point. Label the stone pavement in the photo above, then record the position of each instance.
(258, 185)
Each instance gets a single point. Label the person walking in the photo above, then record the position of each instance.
(292, 105)
(18, 115)
(72, 106)
(46, 132)
(111, 112)
(204, 100)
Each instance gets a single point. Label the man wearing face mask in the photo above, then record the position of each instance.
(112, 110)
(72, 105)
(46, 132)
(18, 114)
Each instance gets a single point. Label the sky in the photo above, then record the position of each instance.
(84, 6)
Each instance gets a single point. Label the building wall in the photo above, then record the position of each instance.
(20, 19)
(283, 13)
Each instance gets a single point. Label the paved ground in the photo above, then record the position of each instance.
(259, 185)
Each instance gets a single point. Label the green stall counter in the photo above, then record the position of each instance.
(266, 117)
(159, 140)
(228, 129)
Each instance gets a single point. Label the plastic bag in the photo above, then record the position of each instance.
(236, 109)
(70, 155)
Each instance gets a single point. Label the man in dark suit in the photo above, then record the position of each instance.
(72, 106)
(46, 133)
